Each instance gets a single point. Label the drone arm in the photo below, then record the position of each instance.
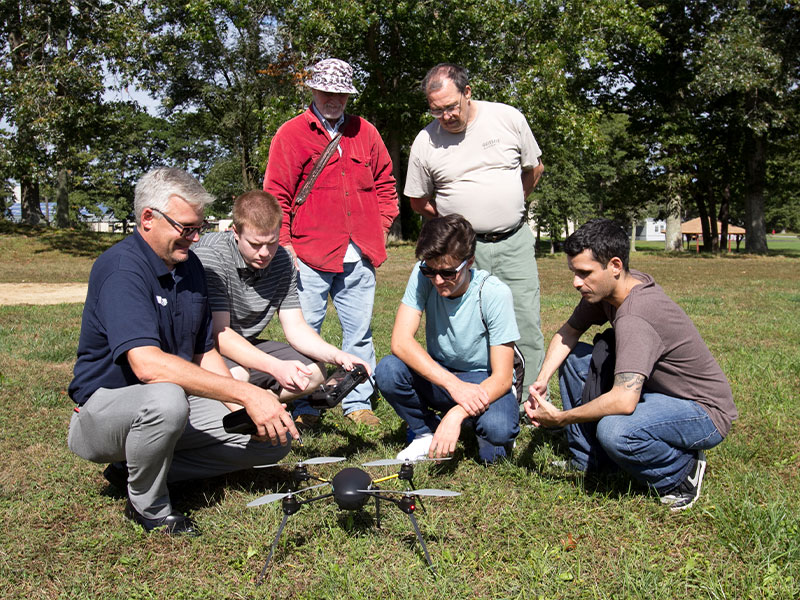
(385, 478)
(315, 498)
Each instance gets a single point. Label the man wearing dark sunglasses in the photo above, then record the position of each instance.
(466, 372)
(149, 387)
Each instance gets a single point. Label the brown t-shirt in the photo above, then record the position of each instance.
(655, 338)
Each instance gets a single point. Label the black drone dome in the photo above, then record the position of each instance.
(346, 485)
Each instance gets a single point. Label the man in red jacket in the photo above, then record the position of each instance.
(338, 234)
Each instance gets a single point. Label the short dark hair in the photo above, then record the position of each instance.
(446, 236)
(604, 237)
(435, 77)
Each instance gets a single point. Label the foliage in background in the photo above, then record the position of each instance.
(642, 107)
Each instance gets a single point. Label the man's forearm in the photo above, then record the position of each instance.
(560, 346)
(152, 365)
(424, 206)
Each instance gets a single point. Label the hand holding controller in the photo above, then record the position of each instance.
(240, 422)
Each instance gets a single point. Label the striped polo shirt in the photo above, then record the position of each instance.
(251, 296)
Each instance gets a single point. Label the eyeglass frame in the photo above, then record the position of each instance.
(182, 229)
(445, 274)
(438, 113)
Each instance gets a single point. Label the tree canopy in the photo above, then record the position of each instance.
(641, 107)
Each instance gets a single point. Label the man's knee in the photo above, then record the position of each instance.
(391, 373)
(240, 374)
(499, 427)
(165, 404)
(619, 441)
(262, 453)
(317, 377)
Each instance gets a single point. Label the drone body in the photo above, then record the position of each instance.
(348, 488)
(351, 489)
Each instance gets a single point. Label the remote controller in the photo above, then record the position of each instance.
(240, 422)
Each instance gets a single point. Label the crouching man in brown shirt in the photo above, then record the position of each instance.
(648, 397)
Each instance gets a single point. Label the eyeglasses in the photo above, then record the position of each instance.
(438, 113)
(186, 231)
(445, 274)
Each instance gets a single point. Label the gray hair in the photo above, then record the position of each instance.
(156, 186)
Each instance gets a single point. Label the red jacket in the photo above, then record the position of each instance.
(353, 198)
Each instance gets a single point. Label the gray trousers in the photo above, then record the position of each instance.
(513, 261)
(164, 436)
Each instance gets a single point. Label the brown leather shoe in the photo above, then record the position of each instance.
(306, 422)
(365, 417)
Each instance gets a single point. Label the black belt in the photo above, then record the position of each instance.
(500, 235)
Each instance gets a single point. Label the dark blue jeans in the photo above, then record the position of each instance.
(418, 402)
(656, 444)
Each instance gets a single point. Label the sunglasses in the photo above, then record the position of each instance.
(186, 231)
(445, 274)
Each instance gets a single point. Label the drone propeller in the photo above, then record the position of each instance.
(281, 495)
(383, 462)
(319, 460)
(423, 492)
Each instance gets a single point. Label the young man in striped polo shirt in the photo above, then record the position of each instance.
(250, 278)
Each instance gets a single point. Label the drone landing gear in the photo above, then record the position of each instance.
(290, 505)
(407, 505)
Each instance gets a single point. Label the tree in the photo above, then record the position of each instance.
(533, 55)
(51, 83)
(220, 68)
(751, 63)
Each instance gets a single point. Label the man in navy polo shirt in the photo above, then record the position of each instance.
(150, 388)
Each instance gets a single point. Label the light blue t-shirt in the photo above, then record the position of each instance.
(454, 332)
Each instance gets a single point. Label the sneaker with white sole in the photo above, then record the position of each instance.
(417, 449)
(687, 493)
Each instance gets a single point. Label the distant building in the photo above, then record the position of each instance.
(651, 230)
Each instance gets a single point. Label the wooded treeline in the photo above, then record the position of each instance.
(642, 108)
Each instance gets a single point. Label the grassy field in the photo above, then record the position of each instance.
(520, 530)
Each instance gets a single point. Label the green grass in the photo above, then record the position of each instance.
(520, 530)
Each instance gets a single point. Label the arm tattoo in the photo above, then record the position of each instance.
(631, 382)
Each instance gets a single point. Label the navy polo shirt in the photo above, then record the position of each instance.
(133, 300)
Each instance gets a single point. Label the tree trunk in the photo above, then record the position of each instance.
(755, 181)
(29, 201)
(633, 234)
(62, 198)
(724, 215)
(673, 241)
(399, 230)
(701, 208)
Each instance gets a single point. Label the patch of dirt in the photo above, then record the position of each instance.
(42, 293)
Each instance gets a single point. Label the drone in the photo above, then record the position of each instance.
(351, 489)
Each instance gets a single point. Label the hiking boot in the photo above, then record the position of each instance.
(417, 449)
(687, 493)
(306, 422)
(364, 416)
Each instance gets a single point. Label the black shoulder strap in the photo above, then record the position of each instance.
(317, 169)
(480, 306)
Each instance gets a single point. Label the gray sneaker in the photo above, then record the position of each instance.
(686, 494)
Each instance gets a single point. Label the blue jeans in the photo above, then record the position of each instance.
(657, 444)
(353, 295)
(417, 401)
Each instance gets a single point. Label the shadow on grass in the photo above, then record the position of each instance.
(607, 483)
(74, 242)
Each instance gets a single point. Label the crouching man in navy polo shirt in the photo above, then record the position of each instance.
(150, 388)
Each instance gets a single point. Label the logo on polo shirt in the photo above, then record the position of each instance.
(161, 301)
